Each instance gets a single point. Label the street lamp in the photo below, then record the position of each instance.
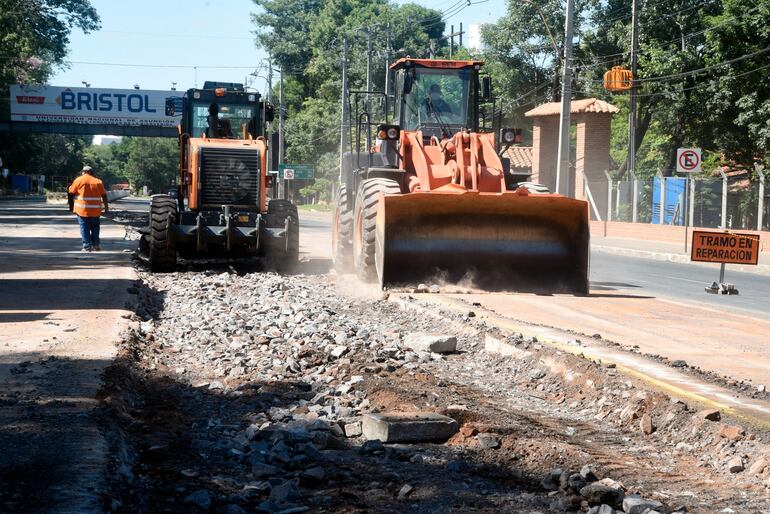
(173, 86)
(85, 83)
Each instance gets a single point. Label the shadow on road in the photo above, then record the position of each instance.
(62, 294)
(52, 455)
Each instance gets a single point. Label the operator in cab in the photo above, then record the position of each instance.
(219, 128)
(434, 103)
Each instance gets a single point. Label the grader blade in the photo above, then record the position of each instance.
(498, 241)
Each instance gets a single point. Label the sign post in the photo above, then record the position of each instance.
(288, 172)
(724, 248)
(688, 161)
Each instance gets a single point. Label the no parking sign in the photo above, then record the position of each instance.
(688, 160)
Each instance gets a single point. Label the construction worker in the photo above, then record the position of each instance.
(89, 195)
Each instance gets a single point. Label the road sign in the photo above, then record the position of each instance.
(297, 171)
(725, 247)
(688, 160)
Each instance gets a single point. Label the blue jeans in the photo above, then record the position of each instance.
(89, 231)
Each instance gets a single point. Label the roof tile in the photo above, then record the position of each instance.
(577, 107)
(520, 156)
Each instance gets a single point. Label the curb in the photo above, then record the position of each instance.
(760, 269)
(669, 380)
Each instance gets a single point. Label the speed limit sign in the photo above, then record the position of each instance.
(688, 160)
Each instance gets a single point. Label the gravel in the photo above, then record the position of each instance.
(254, 385)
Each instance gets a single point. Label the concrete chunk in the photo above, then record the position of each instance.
(437, 343)
(408, 428)
(635, 504)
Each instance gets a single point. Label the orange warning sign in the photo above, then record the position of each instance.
(725, 247)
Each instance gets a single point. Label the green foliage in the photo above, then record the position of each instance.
(43, 154)
(305, 38)
(724, 110)
(150, 161)
(108, 161)
(34, 35)
(142, 161)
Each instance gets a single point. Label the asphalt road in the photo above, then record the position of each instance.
(678, 282)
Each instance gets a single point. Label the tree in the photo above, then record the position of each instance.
(305, 38)
(108, 162)
(150, 161)
(34, 35)
(714, 108)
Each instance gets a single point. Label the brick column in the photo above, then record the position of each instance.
(593, 156)
(545, 143)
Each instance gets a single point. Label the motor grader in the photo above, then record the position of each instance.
(431, 198)
(222, 206)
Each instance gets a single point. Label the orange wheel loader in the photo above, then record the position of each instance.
(221, 205)
(431, 198)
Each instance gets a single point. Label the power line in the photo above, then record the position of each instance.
(697, 86)
(595, 63)
(705, 68)
(167, 34)
(181, 66)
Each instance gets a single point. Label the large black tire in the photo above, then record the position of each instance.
(342, 230)
(161, 244)
(365, 223)
(283, 214)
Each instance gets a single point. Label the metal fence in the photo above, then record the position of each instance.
(710, 202)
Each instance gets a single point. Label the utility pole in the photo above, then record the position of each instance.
(452, 35)
(369, 52)
(269, 100)
(368, 60)
(287, 185)
(563, 166)
(388, 52)
(632, 98)
(344, 109)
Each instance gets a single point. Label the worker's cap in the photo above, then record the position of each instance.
(86, 168)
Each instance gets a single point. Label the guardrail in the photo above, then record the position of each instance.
(117, 195)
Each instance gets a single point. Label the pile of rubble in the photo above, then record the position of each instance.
(259, 392)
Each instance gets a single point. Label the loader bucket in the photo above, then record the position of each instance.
(498, 241)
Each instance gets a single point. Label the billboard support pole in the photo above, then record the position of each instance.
(724, 199)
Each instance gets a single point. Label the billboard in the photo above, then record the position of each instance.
(92, 106)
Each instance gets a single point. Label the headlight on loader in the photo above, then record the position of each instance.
(509, 136)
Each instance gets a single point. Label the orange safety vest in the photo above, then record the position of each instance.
(89, 191)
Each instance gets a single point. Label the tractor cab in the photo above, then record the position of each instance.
(223, 111)
(437, 97)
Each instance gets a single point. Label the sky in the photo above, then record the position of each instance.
(156, 43)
